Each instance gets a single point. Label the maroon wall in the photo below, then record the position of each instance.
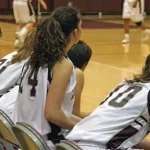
(105, 6)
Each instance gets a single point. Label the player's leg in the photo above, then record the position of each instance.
(126, 31)
(16, 5)
(145, 31)
(139, 20)
(126, 15)
(28, 18)
(1, 32)
(18, 29)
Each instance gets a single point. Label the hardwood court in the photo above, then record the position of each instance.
(110, 64)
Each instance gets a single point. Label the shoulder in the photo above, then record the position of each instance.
(79, 73)
(79, 76)
(63, 66)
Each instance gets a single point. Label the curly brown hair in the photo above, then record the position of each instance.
(52, 37)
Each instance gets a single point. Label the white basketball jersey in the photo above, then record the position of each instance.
(30, 104)
(120, 122)
(9, 73)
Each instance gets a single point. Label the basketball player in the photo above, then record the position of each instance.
(10, 74)
(46, 93)
(134, 10)
(25, 18)
(11, 65)
(122, 120)
(80, 55)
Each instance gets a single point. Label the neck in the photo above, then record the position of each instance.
(69, 45)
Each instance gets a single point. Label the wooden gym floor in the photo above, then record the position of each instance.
(110, 64)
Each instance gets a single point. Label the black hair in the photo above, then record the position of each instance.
(80, 54)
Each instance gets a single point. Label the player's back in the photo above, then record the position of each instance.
(118, 121)
(9, 73)
(30, 103)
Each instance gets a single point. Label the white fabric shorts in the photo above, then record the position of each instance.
(135, 14)
(23, 12)
(85, 147)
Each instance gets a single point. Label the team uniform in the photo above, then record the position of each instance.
(30, 103)
(135, 14)
(9, 78)
(23, 11)
(120, 122)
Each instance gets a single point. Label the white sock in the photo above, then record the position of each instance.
(23, 31)
(17, 33)
(127, 36)
(23, 34)
(146, 30)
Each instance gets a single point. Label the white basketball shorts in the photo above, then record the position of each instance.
(135, 14)
(23, 12)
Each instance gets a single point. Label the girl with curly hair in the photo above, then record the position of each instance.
(46, 93)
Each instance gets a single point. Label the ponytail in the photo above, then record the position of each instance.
(49, 45)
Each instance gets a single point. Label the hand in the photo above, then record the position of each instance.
(135, 4)
(44, 5)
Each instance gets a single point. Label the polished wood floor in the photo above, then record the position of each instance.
(110, 64)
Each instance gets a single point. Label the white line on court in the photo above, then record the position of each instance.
(114, 67)
(6, 42)
(98, 63)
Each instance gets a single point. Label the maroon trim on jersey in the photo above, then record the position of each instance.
(138, 123)
(30, 8)
(148, 102)
(2, 69)
(140, 5)
(120, 137)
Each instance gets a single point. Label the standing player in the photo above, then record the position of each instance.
(134, 10)
(46, 93)
(25, 18)
(80, 55)
(122, 120)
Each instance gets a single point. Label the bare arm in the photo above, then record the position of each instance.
(61, 77)
(43, 4)
(78, 92)
(145, 145)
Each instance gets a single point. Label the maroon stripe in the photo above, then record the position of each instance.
(140, 5)
(30, 9)
(120, 137)
(148, 102)
(143, 118)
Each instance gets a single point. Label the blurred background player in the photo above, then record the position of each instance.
(134, 10)
(25, 18)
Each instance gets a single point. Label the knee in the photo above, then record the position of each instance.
(138, 23)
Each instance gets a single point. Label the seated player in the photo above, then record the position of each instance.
(46, 91)
(121, 121)
(10, 73)
(134, 10)
(80, 55)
